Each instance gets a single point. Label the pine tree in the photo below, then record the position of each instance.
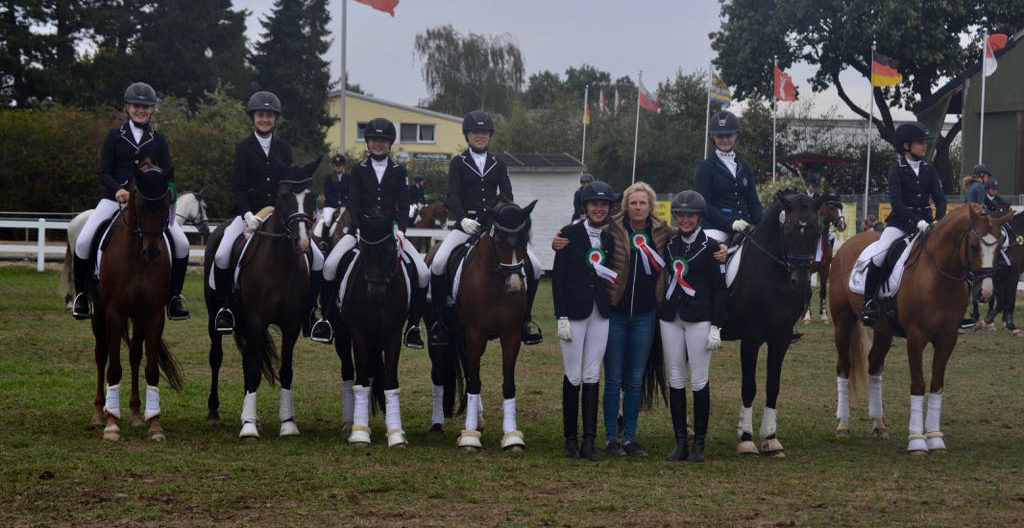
(289, 62)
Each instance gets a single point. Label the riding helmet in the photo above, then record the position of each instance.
(992, 184)
(911, 132)
(598, 190)
(477, 120)
(338, 159)
(980, 169)
(263, 100)
(418, 178)
(724, 123)
(813, 179)
(586, 178)
(688, 202)
(380, 128)
(140, 93)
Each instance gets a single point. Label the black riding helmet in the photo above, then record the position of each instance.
(586, 178)
(992, 184)
(380, 128)
(980, 169)
(598, 190)
(418, 178)
(477, 120)
(338, 159)
(911, 132)
(263, 100)
(813, 179)
(724, 123)
(140, 93)
(688, 202)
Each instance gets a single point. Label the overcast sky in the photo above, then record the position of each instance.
(621, 37)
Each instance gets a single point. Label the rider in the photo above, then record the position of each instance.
(811, 182)
(122, 150)
(579, 287)
(980, 175)
(911, 182)
(993, 202)
(335, 192)
(470, 205)
(377, 182)
(255, 186)
(727, 183)
(577, 204)
(417, 197)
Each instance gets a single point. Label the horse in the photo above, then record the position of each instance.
(768, 296)
(373, 307)
(491, 303)
(339, 226)
(273, 289)
(433, 215)
(953, 253)
(1006, 277)
(830, 215)
(189, 209)
(134, 279)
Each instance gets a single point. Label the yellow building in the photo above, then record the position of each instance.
(422, 134)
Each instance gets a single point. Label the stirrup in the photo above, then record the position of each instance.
(438, 334)
(869, 314)
(177, 308)
(224, 322)
(529, 337)
(85, 310)
(412, 338)
(322, 332)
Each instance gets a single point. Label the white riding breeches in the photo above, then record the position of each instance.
(720, 236)
(348, 242)
(222, 258)
(889, 235)
(456, 238)
(103, 211)
(179, 242)
(318, 257)
(422, 272)
(685, 345)
(583, 355)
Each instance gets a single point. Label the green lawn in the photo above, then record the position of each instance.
(58, 472)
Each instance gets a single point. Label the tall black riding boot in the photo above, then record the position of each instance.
(413, 339)
(570, 417)
(701, 414)
(323, 330)
(531, 332)
(225, 281)
(438, 294)
(870, 313)
(316, 279)
(677, 407)
(177, 309)
(80, 307)
(587, 449)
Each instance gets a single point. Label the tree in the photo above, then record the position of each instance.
(472, 72)
(289, 62)
(835, 35)
(543, 89)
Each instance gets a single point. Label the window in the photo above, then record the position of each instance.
(416, 133)
(427, 133)
(361, 131)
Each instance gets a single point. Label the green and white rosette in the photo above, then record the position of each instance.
(397, 233)
(596, 260)
(680, 269)
(653, 262)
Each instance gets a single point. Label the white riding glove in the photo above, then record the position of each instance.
(564, 329)
(470, 226)
(251, 220)
(714, 338)
(740, 226)
(922, 225)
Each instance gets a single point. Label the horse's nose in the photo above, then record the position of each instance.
(986, 289)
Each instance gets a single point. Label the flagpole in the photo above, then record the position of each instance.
(984, 75)
(775, 105)
(636, 130)
(871, 115)
(707, 111)
(586, 96)
(344, 79)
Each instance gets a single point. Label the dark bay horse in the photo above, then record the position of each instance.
(1006, 277)
(830, 215)
(767, 297)
(135, 275)
(431, 216)
(273, 289)
(373, 308)
(934, 292)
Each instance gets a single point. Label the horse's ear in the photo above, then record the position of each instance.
(972, 212)
(781, 197)
(1005, 218)
(529, 208)
(310, 168)
(200, 193)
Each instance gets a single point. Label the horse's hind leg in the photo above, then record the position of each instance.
(100, 352)
(112, 404)
(135, 361)
(748, 366)
(770, 444)
(252, 369)
(843, 336)
(943, 345)
(475, 345)
(438, 380)
(286, 409)
(823, 293)
(153, 330)
(216, 358)
(343, 348)
(917, 444)
(880, 345)
(362, 349)
(512, 440)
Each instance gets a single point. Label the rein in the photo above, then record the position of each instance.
(501, 267)
(137, 228)
(791, 260)
(970, 275)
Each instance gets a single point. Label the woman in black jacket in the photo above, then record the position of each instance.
(692, 310)
(579, 285)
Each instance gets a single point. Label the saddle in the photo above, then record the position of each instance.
(99, 243)
(453, 271)
(242, 242)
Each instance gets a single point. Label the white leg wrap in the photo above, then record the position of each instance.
(746, 423)
(361, 408)
(480, 406)
(286, 411)
(113, 404)
(768, 422)
(152, 402)
(347, 401)
(508, 415)
(437, 415)
(249, 408)
(916, 429)
(842, 398)
(875, 397)
(392, 409)
(934, 412)
(472, 402)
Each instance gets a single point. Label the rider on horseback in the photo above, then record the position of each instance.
(911, 182)
(378, 182)
(260, 164)
(335, 192)
(470, 206)
(417, 197)
(123, 149)
(727, 183)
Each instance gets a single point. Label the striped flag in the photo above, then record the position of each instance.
(719, 91)
(649, 101)
(602, 102)
(884, 70)
(784, 89)
(993, 43)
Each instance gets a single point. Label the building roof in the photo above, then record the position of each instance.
(424, 111)
(957, 85)
(534, 160)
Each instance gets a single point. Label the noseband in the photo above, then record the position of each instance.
(516, 265)
(970, 275)
(789, 260)
(137, 228)
(379, 242)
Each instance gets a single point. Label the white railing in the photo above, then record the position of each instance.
(41, 249)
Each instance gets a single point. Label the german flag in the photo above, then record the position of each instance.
(883, 70)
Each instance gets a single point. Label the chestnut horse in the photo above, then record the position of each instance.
(935, 288)
(830, 215)
(431, 216)
(135, 275)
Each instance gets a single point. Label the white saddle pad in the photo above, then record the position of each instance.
(732, 266)
(891, 286)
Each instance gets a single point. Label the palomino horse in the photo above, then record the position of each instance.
(768, 296)
(433, 215)
(1006, 276)
(934, 292)
(273, 289)
(135, 275)
(830, 215)
(189, 209)
(373, 307)
(491, 303)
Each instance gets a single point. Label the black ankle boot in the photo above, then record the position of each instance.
(701, 415)
(81, 308)
(438, 293)
(413, 339)
(570, 417)
(531, 334)
(224, 280)
(587, 449)
(870, 314)
(323, 330)
(177, 309)
(677, 407)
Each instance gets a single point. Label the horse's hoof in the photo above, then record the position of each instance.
(746, 447)
(470, 439)
(470, 449)
(436, 430)
(137, 420)
(249, 431)
(843, 429)
(96, 421)
(512, 439)
(935, 442)
(773, 448)
(917, 445)
(1015, 332)
(213, 421)
(515, 450)
(360, 435)
(346, 428)
(289, 429)
(879, 431)
(689, 434)
(396, 438)
(157, 437)
(112, 433)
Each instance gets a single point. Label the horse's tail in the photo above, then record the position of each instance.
(858, 356)
(377, 398)
(164, 359)
(654, 374)
(267, 353)
(64, 285)
(455, 381)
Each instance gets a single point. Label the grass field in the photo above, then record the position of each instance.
(58, 472)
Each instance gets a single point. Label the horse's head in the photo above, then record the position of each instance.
(831, 212)
(201, 221)
(509, 232)
(378, 251)
(149, 207)
(439, 212)
(796, 217)
(983, 238)
(294, 204)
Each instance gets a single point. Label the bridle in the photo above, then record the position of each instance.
(789, 260)
(515, 266)
(137, 227)
(390, 237)
(970, 275)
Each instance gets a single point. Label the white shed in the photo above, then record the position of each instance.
(552, 180)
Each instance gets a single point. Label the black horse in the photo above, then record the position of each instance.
(1007, 275)
(768, 296)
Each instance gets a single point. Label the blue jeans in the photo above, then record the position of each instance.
(629, 344)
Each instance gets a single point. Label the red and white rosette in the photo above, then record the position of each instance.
(653, 262)
(596, 260)
(680, 268)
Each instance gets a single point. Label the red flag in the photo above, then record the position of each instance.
(387, 6)
(994, 43)
(784, 89)
(649, 101)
